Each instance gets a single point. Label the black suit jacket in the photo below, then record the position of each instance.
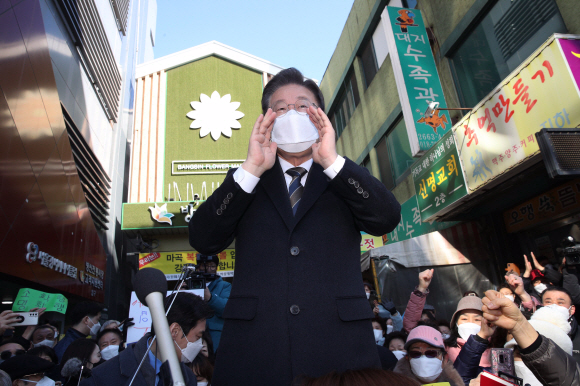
(297, 305)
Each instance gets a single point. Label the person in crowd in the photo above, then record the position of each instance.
(187, 321)
(203, 370)
(27, 370)
(443, 327)
(395, 342)
(387, 310)
(109, 341)
(559, 298)
(207, 347)
(43, 335)
(48, 354)
(216, 294)
(551, 365)
(379, 327)
(7, 319)
(468, 345)
(428, 314)
(296, 198)
(470, 293)
(366, 377)
(388, 359)
(5, 379)
(426, 360)
(85, 317)
(389, 325)
(110, 324)
(417, 300)
(515, 285)
(507, 292)
(10, 348)
(535, 281)
(79, 360)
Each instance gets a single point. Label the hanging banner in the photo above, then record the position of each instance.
(28, 299)
(438, 178)
(368, 242)
(555, 203)
(171, 263)
(499, 133)
(416, 76)
(411, 224)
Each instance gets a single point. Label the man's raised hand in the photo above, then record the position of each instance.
(324, 150)
(261, 152)
(425, 278)
(501, 311)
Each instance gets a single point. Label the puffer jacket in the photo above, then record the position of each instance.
(449, 374)
(550, 364)
(468, 361)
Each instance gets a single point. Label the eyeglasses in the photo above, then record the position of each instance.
(301, 106)
(428, 353)
(7, 354)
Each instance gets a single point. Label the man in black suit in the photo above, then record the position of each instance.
(296, 209)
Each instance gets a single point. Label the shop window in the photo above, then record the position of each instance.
(394, 155)
(369, 63)
(509, 33)
(367, 164)
(347, 103)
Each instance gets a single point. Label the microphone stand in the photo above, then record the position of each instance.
(184, 276)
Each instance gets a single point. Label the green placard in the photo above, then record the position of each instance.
(438, 178)
(411, 224)
(28, 299)
(417, 79)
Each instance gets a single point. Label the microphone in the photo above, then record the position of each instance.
(150, 286)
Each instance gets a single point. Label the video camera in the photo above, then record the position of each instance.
(570, 250)
(197, 279)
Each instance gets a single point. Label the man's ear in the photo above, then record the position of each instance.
(175, 330)
(572, 310)
(85, 319)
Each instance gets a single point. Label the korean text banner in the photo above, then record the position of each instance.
(171, 263)
(416, 76)
(555, 203)
(411, 225)
(28, 299)
(438, 178)
(499, 133)
(368, 242)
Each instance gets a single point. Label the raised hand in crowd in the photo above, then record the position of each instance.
(536, 264)
(516, 283)
(7, 319)
(528, 267)
(425, 278)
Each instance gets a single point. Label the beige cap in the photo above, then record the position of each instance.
(467, 303)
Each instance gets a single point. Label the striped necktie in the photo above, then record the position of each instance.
(295, 189)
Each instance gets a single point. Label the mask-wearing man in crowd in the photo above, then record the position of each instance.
(216, 294)
(28, 370)
(43, 335)
(109, 341)
(85, 317)
(187, 321)
(559, 297)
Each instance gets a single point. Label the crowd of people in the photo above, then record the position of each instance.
(532, 314)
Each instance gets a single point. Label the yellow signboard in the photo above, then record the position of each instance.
(369, 242)
(498, 134)
(171, 263)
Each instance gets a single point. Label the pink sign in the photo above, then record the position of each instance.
(571, 49)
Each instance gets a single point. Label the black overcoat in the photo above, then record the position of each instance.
(297, 305)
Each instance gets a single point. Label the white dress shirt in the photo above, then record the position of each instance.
(248, 181)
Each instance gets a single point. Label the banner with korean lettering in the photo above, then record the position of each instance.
(368, 242)
(416, 77)
(438, 178)
(411, 224)
(555, 203)
(499, 133)
(171, 263)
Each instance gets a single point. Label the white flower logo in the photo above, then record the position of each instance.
(216, 115)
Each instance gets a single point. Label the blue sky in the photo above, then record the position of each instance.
(301, 34)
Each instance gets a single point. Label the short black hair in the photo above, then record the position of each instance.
(381, 321)
(44, 350)
(115, 331)
(81, 349)
(559, 289)
(286, 77)
(187, 310)
(83, 309)
(395, 335)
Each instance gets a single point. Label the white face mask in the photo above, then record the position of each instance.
(43, 382)
(426, 369)
(467, 329)
(46, 342)
(109, 352)
(540, 288)
(563, 311)
(445, 336)
(368, 295)
(95, 328)
(294, 132)
(510, 297)
(399, 354)
(389, 328)
(191, 350)
(379, 338)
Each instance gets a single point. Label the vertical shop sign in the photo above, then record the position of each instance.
(411, 224)
(416, 76)
(499, 133)
(438, 178)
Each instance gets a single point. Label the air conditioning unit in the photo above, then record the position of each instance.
(561, 151)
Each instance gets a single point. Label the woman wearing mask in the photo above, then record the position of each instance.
(395, 342)
(426, 360)
(468, 345)
(78, 361)
(379, 327)
(443, 327)
(109, 341)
